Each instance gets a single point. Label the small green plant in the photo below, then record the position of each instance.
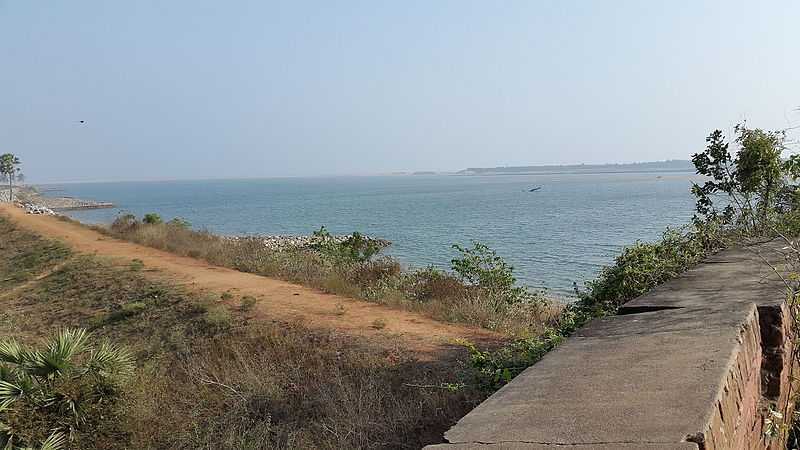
(66, 388)
(225, 296)
(340, 309)
(217, 319)
(379, 324)
(496, 368)
(248, 303)
(136, 265)
(152, 219)
(127, 310)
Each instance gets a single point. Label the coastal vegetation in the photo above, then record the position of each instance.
(480, 289)
(748, 196)
(197, 354)
(206, 373)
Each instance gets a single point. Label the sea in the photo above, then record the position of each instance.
(557, 237)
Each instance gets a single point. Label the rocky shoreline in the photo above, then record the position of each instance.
(32, 208)
(28, 195)
(295, 242)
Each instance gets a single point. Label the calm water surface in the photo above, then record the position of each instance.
(561, 234)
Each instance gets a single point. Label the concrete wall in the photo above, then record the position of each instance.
(695, 364)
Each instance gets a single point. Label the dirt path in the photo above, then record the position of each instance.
(278, 300)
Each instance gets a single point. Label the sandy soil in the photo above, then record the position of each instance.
(278, 300)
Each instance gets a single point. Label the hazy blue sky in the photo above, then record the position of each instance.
(194, 89)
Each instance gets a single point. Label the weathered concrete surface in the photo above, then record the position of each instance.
(690, 365)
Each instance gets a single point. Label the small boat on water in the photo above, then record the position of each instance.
(534, 189)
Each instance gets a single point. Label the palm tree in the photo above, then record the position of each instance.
(66, 385)
(9, 170)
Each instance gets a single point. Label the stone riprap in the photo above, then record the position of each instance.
(295, 242)
(32, 208)
(695, 364)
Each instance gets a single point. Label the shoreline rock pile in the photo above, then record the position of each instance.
(32, 208)
(297, 242)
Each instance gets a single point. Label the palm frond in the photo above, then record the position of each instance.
(44, 364)
(56, 441)
(57, 357)
(6, 373)
(9, 393)
(68, 342)
(11, 351)
(110, 359)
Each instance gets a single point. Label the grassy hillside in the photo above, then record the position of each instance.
(209, 376)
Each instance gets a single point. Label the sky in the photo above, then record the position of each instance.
(199, 89)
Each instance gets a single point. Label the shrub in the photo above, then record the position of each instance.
(643, 266)
(248, 303)
(353, 267)
(217, 319)
(152, 219)
(67, 388)
(494, 369)
(481, 266)
(373, 272)
(431, 283)
(127, 310)
(180, 222)
(124, 224)
(356, 248)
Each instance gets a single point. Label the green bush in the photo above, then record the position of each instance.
(180, 222)
(63, 389)
(643, 266)
(480, 266)
(355, 249)
(152, 219)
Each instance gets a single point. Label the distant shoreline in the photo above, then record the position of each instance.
(654, 166)
(571, 172)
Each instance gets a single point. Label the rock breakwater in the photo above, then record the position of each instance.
(29, 195)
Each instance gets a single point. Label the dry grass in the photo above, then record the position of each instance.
(208, 378)
(441, 297)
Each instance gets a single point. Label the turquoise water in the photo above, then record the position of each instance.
(558, 235)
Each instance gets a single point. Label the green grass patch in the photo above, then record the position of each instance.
(25, 255)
